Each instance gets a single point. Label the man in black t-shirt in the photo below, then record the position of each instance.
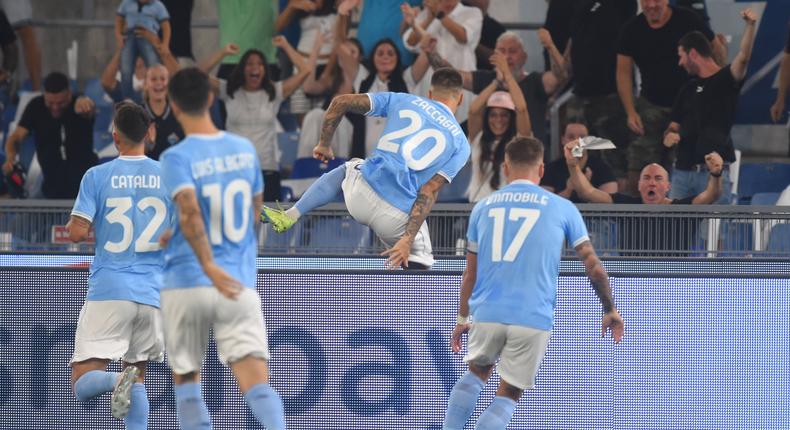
(778, 108)
(557, 179)
(592, 60)
(650, 41)
(704, 111)
(62, 126)
(638, 235)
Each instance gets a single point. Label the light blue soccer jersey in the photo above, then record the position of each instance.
(224, 171)
(129, 207)
(421, 138)
(518, 234)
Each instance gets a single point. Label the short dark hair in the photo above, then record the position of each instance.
(697, 41)
(56, 82)
(447, 80)
(189, 90)
(131, 120)
(524, 151)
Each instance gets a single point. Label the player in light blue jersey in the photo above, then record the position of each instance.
(515, 241)
(215, 181)
(127, 204)
(392, 191)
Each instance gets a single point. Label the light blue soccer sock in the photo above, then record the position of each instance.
(192, 410)
(138, 413)
(324, 190)
(94, 383)
(462, 401)
(267, 406)
(497, 415)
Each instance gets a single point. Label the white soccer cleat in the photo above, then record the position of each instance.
(121, 400)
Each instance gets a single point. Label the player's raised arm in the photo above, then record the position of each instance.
(611, 319)
(357, 103)
(398, 255)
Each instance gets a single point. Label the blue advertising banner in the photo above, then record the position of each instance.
(370, 350)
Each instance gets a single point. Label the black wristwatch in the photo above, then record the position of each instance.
(440, 15)
(716, 175)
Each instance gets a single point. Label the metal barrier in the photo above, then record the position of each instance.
(616, 230)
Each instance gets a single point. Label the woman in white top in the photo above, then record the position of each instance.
(495, 117)
(386, 74)
(252, 101)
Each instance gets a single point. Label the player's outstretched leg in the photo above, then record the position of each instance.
(462, 401)
(121, 400)
(323, 191)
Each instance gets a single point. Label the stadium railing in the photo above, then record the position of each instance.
(616, 231)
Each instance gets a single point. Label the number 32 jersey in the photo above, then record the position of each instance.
(129, 207)
(224, 171)
(421, 139)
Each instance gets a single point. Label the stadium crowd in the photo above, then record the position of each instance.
(265, 85)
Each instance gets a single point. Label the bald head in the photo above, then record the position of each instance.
(654, 184)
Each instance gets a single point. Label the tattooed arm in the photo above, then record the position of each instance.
(191, 223)
(398, 255)
(600, 283)
(437, 62)
(357, 103)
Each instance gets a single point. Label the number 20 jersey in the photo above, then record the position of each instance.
(129, 208)
(224, 171)
(421, 139)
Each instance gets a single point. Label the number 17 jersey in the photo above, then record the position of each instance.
(421, 139)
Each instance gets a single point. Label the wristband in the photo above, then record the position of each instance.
(440, 15)
(461, 320)
(715, 175)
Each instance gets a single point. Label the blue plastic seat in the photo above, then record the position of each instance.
(762, 178)
(312, 168)
(765, 199)
(455, 191)
(779, 239)
(736, 238)
(338, 235)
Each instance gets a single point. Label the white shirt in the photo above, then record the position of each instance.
(784, 198)
(251, 114)
(310, 26)
(480, 183)
(460, 55)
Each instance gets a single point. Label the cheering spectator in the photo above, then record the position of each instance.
(248, 24)
(592, 59)
(650, 41)
(62, 126)
(495, 117)
(252, 100)
(155, 102)
(133, 17)
(20, 15)
(556, 177)
(455, 26)
(704, 111)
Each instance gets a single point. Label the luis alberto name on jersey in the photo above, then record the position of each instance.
(224, 171)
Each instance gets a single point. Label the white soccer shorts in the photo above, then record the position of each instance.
(189, 314)
(119, 330)
(387, 221)
(520, 351)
